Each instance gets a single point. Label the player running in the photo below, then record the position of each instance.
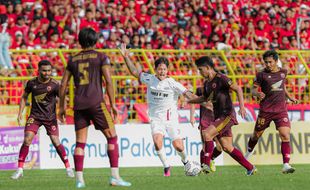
(44, 92)
(87, 68)
(272, 106)
(162, 97)
(206, 117)
(216, 89)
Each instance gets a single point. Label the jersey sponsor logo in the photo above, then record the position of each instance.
(40, 98)
(30, 121)
(285, 119)
(277, 86)
(214, 85)
(49, 88)
(282, 75)
(159, 94)
(53, 128)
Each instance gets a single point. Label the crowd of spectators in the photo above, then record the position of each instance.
(152, 24)
(159, 24)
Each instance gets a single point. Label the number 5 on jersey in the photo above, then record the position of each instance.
(84, 77)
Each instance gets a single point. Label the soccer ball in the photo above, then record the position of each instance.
(192, 168)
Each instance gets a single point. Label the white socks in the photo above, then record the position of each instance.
(162, 156)
(183, 156)
(79, 177)
(115, 173)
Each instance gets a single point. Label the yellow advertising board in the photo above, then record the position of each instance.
(268, 149)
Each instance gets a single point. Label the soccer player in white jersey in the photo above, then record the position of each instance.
(162, 97)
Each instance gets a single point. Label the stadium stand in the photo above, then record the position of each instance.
(182, 30)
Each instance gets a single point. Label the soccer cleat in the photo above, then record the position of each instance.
(119, 182)
(212, 166)
(70, 172)
(287, 169)
(167, 171)
(248, 154)
(80, 185)
(17, 174)
(251, 172)
(205, 169)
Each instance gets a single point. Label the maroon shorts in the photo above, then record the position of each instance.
(223, 125)
(206, 120)
(99, 115)
(50, 126)
(264, 119)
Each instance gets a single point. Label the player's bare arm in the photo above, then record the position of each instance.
(22, 105)
(292, 99)
(197, 100)
(135, 71)
(62, 95)
(192, 115)
(239, 92)
(255, 93)
(106, 70)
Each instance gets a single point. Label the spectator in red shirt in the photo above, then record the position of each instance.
(89, 21)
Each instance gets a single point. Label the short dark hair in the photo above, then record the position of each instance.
(44, 63)
(271, 53)
(161, 60)
(204, 61)
(88, 37)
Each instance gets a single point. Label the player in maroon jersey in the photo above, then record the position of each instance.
(44, 92)
(205, 119)
(87, 68)
(216, 89)
(272, 98)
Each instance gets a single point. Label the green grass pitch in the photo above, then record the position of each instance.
(226, 177)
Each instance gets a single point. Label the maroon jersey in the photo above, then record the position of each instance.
(272, 85)
(86, 70)
(217, 91)
(43, 99)
(206, 115)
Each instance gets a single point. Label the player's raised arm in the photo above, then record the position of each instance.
(62, 94)
(22, 105)
(135, 71)
(239, 92)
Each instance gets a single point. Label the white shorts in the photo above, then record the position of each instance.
(172, 128)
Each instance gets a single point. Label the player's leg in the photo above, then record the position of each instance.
(202, 153)
(53, 132)
(208, 135)
(161, 153)
(31, 129)
(81, 139)
(227, 145)
(104, 122)
(62, 154)
(24, 150)
(262, 123)
(81, 122)
(284, 128)
(216, 152)
(284, 133)
(252, 143)
(174, 132)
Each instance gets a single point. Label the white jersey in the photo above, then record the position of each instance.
(162, 96)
